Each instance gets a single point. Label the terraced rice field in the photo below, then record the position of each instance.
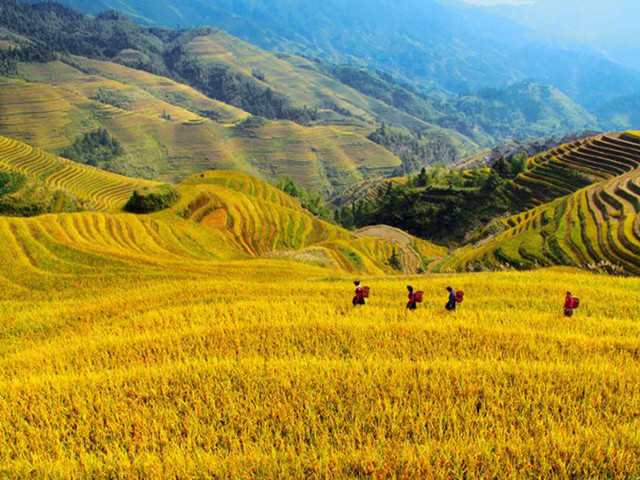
(37, 113)
(57, 107)
(98, 190)
(324, 157)
(366, 190)
(89, 86)
(296, 77)
(570, 167)
(238, 212)
(134, 347)
(217, 338)
(596, 228)
(258, 219)
(166, 90)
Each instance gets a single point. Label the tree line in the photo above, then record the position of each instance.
(443, 205)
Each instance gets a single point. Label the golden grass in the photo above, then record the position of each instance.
(96, 189)
(261, 368)
(55, 108)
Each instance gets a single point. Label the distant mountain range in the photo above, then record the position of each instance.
(180, 101)
(436, 46)
(610, 27)
(282, 86)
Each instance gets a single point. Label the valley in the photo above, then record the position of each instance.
(191, 191)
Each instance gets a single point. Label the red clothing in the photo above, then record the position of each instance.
(412, 301)
(568, 302)
(359, 298)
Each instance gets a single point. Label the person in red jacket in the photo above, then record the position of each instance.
(359, 298)
(568, 305)
(412, 298)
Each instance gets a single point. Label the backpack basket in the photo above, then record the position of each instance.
(419, 296)
(459, 297)
(365, 292)
(576, 302)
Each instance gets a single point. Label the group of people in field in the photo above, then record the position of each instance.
(415, 297)
(453, 298)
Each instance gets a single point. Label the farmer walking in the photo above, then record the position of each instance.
(570, 304)
(451, 304)
(359, 298)
(411, 305)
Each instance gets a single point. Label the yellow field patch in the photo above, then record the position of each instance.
(165, 88)
(262, 367)
(138, 100)
(97, 189)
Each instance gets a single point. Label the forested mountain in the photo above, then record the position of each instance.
(453, 46)
(522, 110)
(622, 113)
(289, 87)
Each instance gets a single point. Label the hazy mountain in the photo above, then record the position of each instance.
(610, 27)
(457, 47)
(292, 88)
(622, 113)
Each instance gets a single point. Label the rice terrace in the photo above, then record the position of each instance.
(372, 245)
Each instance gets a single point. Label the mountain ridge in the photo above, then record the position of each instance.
(447, 46)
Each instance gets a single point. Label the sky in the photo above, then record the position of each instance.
(499, 2)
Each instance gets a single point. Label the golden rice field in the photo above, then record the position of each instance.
(153, 366)
(216, 338)
(148, 94)
(99, 190)
(163, 132)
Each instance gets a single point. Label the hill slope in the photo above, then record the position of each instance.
(97, 189)
(163, 132)
(597, 227)
(572, 166)
(219, 215)
(451, 45)
(285, 86)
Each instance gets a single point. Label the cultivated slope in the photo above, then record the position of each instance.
(162, 127)
(142, 92)
(597, 227)
(220, 215)
(570, 167)
(296, 77)
(259, 219)
(96, 189)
